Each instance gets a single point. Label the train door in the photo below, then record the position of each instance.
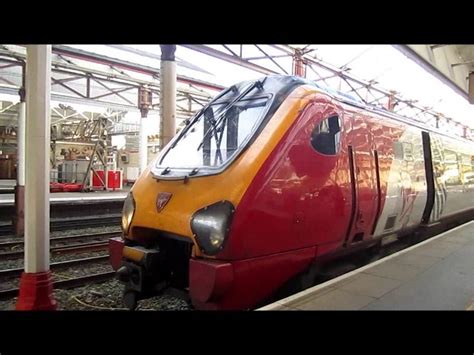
(439, 178)
(364, 179)
(325, 178)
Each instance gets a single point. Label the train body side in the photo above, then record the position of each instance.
(294, 204)
(303, 205)
(453, 174)
(450, 165)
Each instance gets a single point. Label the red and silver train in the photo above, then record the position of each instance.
(271, 177)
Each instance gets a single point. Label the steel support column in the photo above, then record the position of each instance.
(391, 102)
(471, 87)
(299, 66)
(36, 288)
(144, 104)
(168, 93)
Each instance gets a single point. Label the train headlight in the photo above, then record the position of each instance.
(211, 225)
(128, 212)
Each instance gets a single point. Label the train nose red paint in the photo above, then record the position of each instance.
(209, 279)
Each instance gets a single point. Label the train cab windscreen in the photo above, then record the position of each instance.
(216, 134)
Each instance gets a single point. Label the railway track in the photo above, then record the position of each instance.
(17, 243)
(71, 223)
(63, 249)
(8, 274)
(70, 208)
(332, 270)
(65, 284)
(57, 266)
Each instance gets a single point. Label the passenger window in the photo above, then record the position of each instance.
(326, 135)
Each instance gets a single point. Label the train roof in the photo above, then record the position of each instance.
(357, 102)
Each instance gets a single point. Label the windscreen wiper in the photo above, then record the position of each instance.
(256, 84)
(209, 121)
(218, 135)
(198, 115)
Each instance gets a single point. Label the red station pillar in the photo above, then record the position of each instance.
(36, 286)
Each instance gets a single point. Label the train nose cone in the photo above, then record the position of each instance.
(123, 274)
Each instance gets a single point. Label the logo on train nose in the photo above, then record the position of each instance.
(162, 200)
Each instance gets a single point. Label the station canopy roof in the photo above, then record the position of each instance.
(384, 65)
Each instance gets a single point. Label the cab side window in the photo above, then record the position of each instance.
(326, 135)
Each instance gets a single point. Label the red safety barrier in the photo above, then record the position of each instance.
(64, 187)
(72, 187)
(113, 181)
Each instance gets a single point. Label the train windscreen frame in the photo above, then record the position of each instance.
(214, 138)
(222, 129)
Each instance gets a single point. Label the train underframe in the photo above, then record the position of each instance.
(166, 266)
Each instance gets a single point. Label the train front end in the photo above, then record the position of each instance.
(178, 218)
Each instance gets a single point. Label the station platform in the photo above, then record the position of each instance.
(75, 197)
(437, 274)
